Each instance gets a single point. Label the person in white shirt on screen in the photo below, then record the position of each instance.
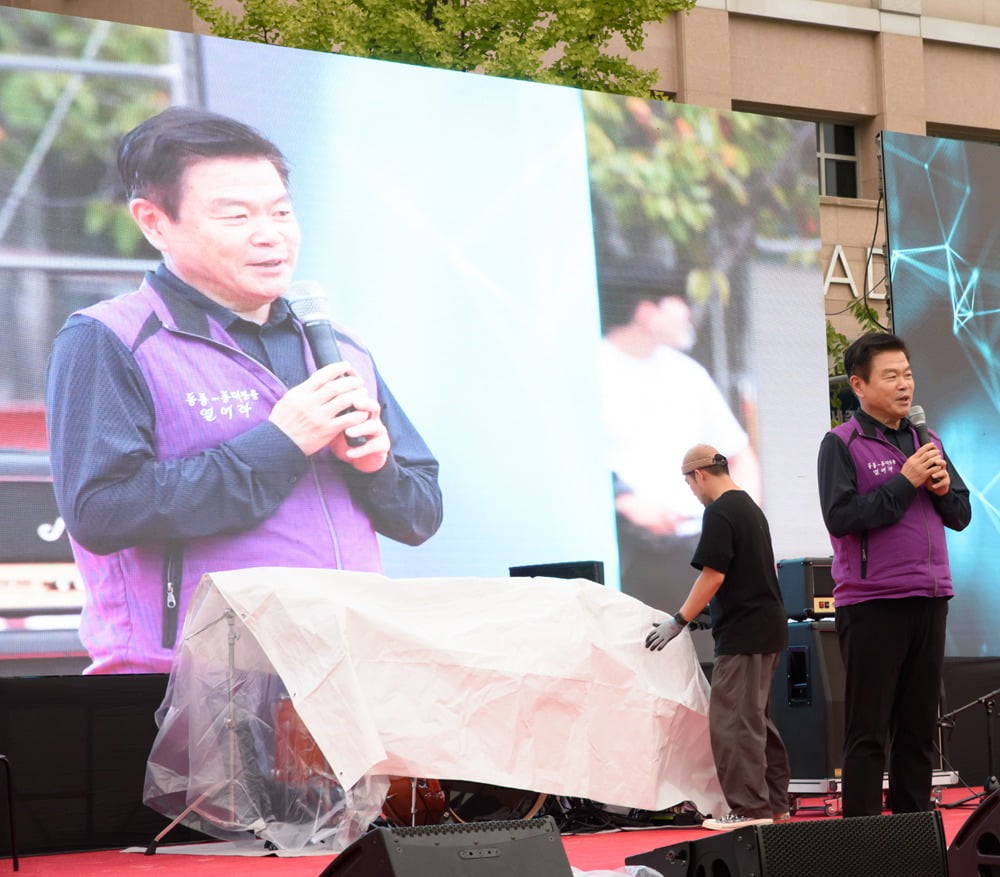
(657, 402)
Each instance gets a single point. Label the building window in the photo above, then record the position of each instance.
(837, 155)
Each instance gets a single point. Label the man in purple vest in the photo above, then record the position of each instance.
(190, 428)
(887, 498)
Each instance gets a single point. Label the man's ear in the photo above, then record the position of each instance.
(857, 385)
(151, 219)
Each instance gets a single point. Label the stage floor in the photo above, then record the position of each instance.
(586, 852)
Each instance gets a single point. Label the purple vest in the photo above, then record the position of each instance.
(908, 558)
(205, 392)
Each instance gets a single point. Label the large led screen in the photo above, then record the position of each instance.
(941, 198)
(563, 290)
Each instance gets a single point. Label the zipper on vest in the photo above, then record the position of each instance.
(330, 528)
(864, 555)
(930, 541)
(173, 564)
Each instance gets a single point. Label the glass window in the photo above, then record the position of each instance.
(836, 152)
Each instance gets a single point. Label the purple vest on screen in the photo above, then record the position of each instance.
(908, 558)
(206, 391)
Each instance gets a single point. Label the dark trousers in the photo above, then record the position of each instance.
(893, 651)
(749, 755)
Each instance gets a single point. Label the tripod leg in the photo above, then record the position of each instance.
(151, 849)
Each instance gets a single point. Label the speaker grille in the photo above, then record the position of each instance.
(910, 844)
(512, 827)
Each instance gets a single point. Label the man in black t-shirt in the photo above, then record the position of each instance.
(738, 580)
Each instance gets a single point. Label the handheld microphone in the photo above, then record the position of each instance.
(310, 305)
(919, 421)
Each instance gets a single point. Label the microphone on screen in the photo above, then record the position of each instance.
(310, 305)
(918, 420)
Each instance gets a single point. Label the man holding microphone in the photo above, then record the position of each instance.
(887, 496)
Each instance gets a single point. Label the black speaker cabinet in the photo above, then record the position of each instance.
(806, 587)
(975, 851)
(808, 700)
(910, 844)
(513, 848)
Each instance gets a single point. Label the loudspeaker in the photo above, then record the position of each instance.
(976, 848)
(591, 570)
(808, 700)
(807, 587)
(514, 848)
(864, 846)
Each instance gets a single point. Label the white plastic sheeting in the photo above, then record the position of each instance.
(535, 683)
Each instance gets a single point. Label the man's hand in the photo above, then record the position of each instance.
(662, 633)
(927, 466)
(371, 456)
(332, 402)
(940, 481)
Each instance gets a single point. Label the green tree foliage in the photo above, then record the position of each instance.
(565, 42)
(686, 173)
(838, 342)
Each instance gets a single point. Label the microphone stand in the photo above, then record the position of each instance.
(946, 721)
(229, 725)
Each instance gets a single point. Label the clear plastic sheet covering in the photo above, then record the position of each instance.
(294, 693)
(234, 759)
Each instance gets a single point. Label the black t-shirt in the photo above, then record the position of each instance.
(748, 615)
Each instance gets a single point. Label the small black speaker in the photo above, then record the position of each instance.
(591, 570)
(864, 846)
(976, 848)
(513, 848)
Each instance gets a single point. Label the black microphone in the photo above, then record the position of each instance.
(919, 422)
(312, 308)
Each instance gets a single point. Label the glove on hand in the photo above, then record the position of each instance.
(662, 633)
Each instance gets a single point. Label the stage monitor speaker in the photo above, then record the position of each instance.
(807, 587)
(975, 850)
(513, 848)
(864, 846)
